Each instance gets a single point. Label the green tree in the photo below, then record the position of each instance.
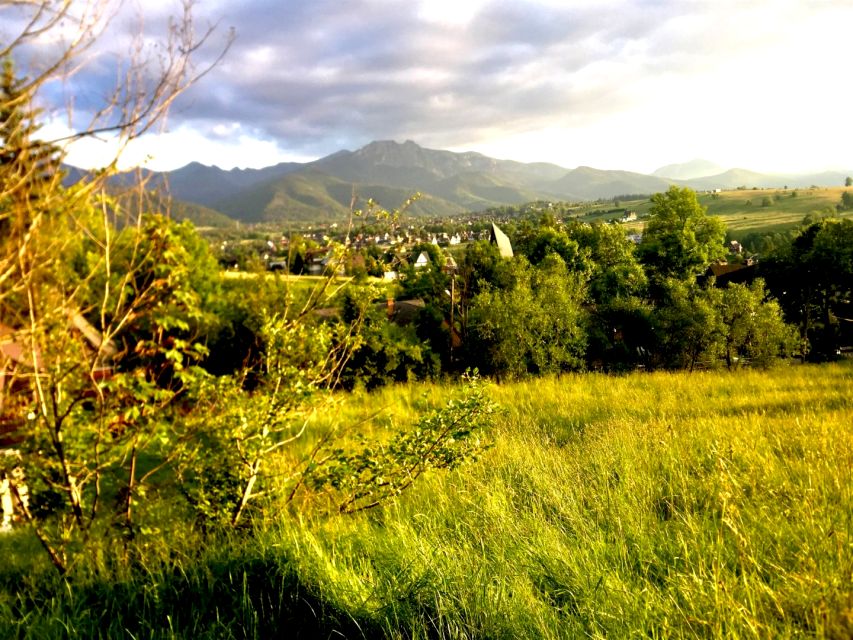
(680, 240)
(812, 277)
(611, 262)
(688, 326)
(536, 326)
(753, 327)
(848, 181)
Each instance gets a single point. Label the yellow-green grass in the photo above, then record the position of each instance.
(711, 504)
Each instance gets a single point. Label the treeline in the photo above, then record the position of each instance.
(579, 296)
(585, 297)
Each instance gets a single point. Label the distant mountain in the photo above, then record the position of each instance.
(697, 168)
(450, 183)
(309, 195)
(734, 178)
(122, 185)
(389, 172)
(208, 185)
(586, 183)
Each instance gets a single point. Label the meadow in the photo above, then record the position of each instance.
(743, 210)
(711, 504)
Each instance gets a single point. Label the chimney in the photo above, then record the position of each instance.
(389, 307)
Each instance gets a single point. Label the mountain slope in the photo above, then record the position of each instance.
(207, 185)
(450, 182)
(475, 190)
(586, 183)
(309, 195)
(697, 168)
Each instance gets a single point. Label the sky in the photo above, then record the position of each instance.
(620, 84)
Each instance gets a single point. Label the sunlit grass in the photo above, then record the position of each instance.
(712, 504)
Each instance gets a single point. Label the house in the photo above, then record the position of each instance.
(499, 238)
(400, 312)
(403, 312)
(735, 247)
(422, 260)
(450, 265)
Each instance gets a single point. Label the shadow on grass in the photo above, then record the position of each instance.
(235, 597)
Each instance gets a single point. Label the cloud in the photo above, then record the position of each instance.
(312, 77)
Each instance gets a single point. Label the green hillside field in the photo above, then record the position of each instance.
(712, 504)
(743, 210)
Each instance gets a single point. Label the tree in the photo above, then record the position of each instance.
(614, 271)
(752, 326)
(848, 181)
(536, 326)
(680, 239)
(812, 277)
(80, 270)
(687, 325)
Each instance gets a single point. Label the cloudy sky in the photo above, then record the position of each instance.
(617, 85)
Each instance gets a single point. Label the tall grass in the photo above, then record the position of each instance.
(654, 505)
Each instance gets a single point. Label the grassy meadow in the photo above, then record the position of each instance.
(711, 504)
(743, 213)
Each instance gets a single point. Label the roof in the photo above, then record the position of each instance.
(405, 311)
(499, 238)
(10, 348)
(731, 273)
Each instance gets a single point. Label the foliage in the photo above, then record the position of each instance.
(387, 352)
(753, 327)
(680, 239)
(812, 278)
(221, 470)
(366, 476)
(614, 271)
(621, 335)
(533, 327)
(687, 325)
(708, 504)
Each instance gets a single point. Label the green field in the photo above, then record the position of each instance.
(713, 504)
(743, 210)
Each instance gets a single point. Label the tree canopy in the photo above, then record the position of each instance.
(680, 240)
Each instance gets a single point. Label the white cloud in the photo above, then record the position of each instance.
(612, 84)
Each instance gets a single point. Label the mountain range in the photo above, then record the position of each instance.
(450, 183)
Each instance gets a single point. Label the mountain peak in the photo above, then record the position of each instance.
(696, 168)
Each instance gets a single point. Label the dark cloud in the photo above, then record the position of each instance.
(305, 73)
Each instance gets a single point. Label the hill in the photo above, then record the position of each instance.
(450, 182)
(751, 210)
(687, 170)
(586, 183)
(309, 195)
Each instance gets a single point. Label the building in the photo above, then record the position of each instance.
(499, 238)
